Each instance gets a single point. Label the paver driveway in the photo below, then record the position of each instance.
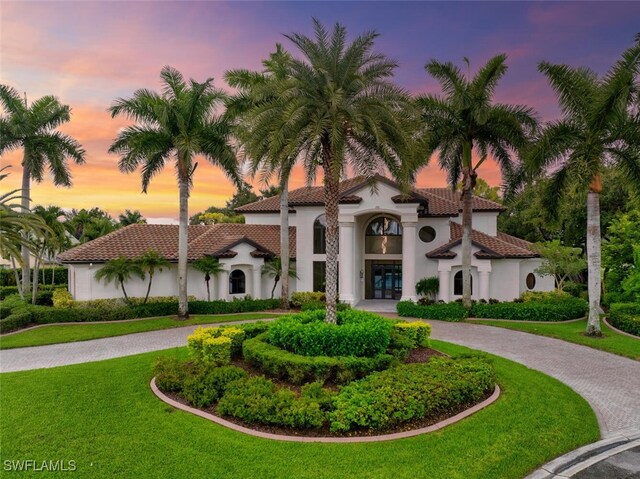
(611, 384)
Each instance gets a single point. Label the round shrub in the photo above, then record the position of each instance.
(209, 384)
(357, 333)
(170, 373)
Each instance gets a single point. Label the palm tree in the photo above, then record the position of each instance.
(18, 229)
(274, 268)
(120, 270)
(33, 128)
(49, 243)
(178, 124)
(151, 261)
(209, 266)
(465, 119)
(131, 218)
(597, 129)
(336, 110)
(256, 89)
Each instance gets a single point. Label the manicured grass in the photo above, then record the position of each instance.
(67, 333)
(104, 416)
(611, 342)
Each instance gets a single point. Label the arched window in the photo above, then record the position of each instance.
(457, 284)
(320, 235)
(237, 282)
(383, 236)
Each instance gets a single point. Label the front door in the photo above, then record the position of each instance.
(386, 280)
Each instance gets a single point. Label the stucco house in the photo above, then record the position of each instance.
(388, 241)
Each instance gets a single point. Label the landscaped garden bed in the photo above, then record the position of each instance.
(625, 317)
(298, 375)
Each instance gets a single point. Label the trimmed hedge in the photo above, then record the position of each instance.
(568, 308)
(441, 311)
(298, 369)
(43, 297)
(358, 333)
(300, 298)
(411, 392)
(625, 317)
(209, 384)
(60, 275)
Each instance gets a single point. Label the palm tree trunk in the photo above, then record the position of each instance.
(36, 271)
(275, 283)
(331, 198)
(183, 238)
(124, 292)
(208, 290)
(593, 259)
(25, 203)
(146, 298)
(467, 227)
(284, 241)
(17, 276)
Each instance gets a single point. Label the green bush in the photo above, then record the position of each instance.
(625, 308)
(547, 297)
(298, 369)
(208, 385)
(170, 373)
(411, 392)
(251, 330)
(257, 400)
(625, 317)
(312, 306)
(574, 289)
(428, 287)
(299, 298)
(358, 333)
(42, 297)
(442, 311)
(550, 310)
(60, 276)
(19, 318)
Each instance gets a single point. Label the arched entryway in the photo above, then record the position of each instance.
(383, 258)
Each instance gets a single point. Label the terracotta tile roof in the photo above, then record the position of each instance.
(215, 240)
(500, 246)
(438, 201)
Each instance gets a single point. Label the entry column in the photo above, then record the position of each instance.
(409, 260)
(223, 284)
(257, 282)
(345, 268)
(444, 276)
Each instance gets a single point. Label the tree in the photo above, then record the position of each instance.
(178, 124)
(561, 262)
(466, 119)
(243, 196)
(150, 262)
(337, 108)
(622, 236)
(209, 266)
(484, 190)
(256, 90)
(33, 128)
(269, 191)
(131, 218)
(18, 229)
(50, 242)
(97, 227)
(597, 128)
(273, 269)
(428, 287)
(120, 270)
(215, 218)
(86, 225)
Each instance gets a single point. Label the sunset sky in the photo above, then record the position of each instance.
(89, 53)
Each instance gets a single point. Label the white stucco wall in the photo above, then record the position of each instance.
(483, 221)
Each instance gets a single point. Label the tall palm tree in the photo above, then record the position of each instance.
(209, 266)
(120, 270)
(256, 88)
(131, 218)
(18, 229)
(465, 119)
(274, 268)
(49, 243)
(150, 262)
(598, 128)
(337, 109)
(33, 128)
(178, 124)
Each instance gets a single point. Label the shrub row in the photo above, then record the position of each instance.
(300, 298)
(298, 369)
(411, 392)
(60, 275)
(441, 311)
(47, 314)
(625, 317)
(358, 333)
(215, 346)
(43, 296)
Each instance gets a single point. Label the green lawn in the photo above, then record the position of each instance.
(71, 332)
(104, 416)
(611, 342)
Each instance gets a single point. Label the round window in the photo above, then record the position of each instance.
(531, 281)
(427, 234)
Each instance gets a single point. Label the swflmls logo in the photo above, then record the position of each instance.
(40, 466)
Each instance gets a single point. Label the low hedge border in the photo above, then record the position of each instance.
(48, 314)
(298, 369)
(625, 317)
(441, 311)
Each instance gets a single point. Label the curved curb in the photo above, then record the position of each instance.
(281, 437)
(528, 321)
(619, 331)
(570, 464)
